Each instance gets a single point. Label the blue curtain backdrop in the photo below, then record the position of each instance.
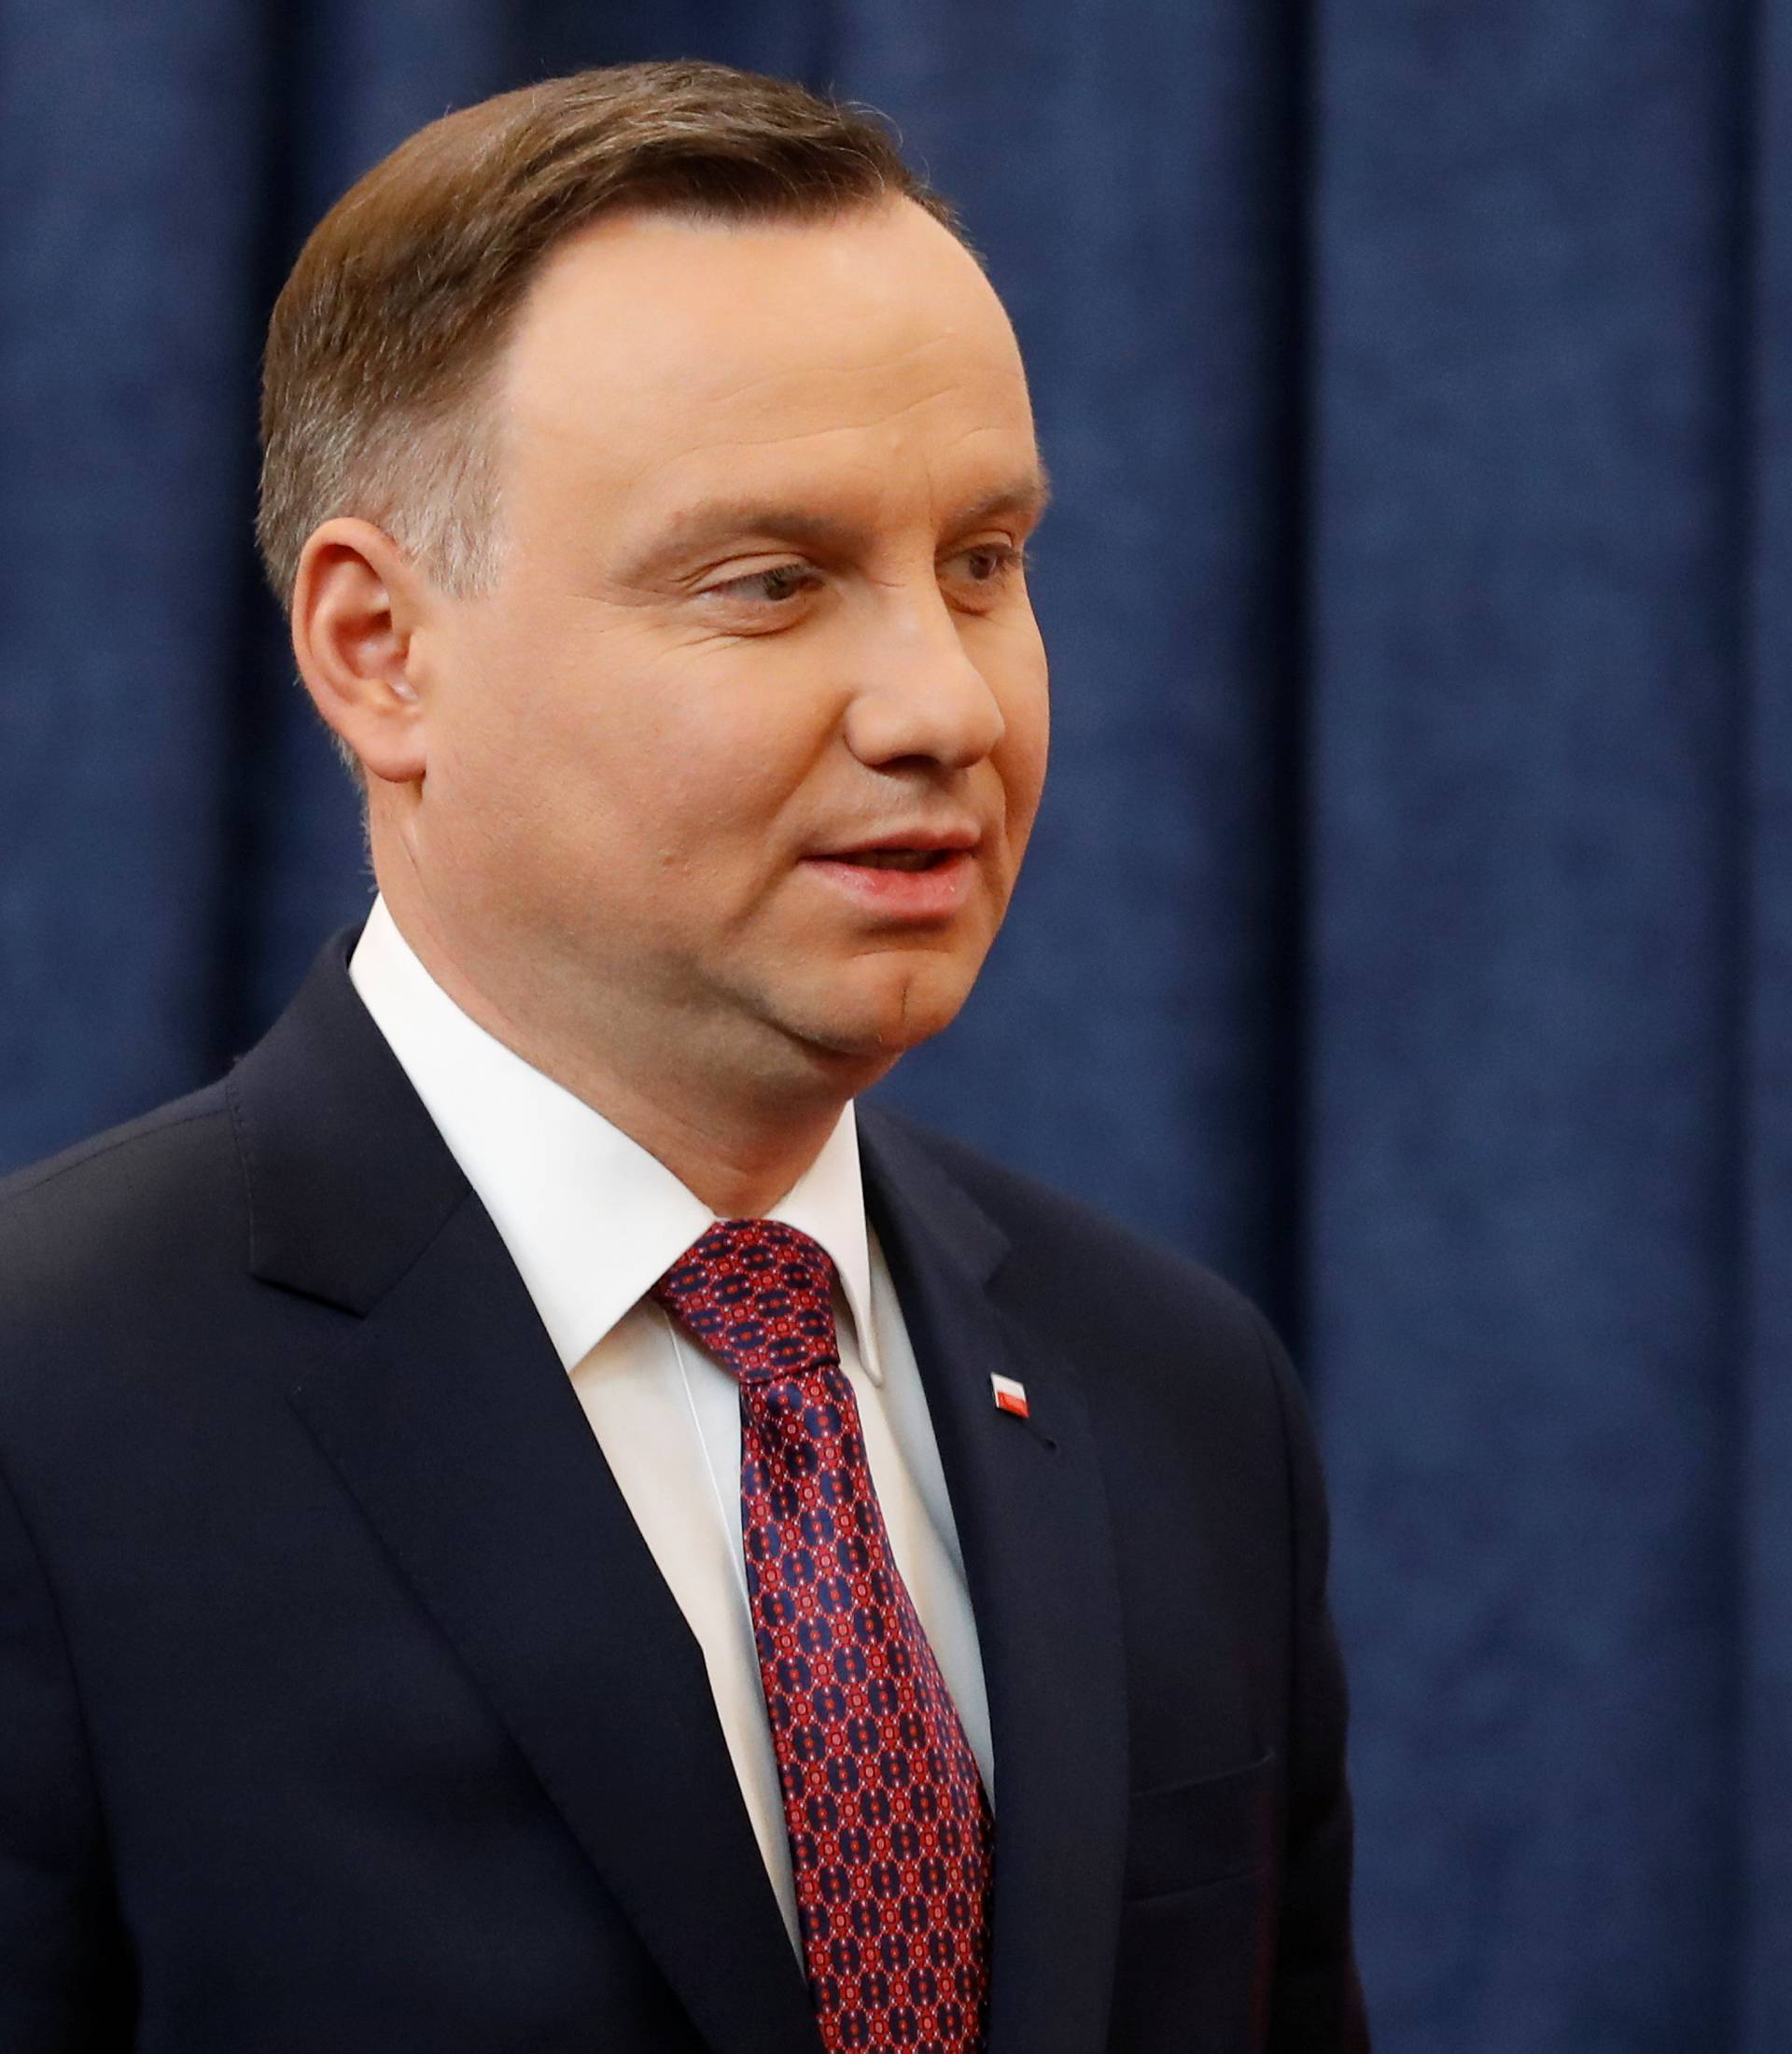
(1409, 928)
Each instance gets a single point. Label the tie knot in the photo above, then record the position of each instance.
(757, 1293)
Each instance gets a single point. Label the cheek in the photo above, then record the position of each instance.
(722, 738)
(569, 709)
(597, 738)
(1020, 756)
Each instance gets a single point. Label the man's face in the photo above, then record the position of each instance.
(736, 762)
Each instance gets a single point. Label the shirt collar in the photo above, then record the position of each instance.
(591, 1220)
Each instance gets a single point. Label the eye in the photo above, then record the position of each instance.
(989, 567)
(776, 587)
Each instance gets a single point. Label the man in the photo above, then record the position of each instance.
(526, 1523)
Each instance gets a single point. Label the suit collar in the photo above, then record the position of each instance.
(589, 1218)
(348, 1179)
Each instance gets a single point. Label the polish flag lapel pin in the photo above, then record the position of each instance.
(1009, 1396)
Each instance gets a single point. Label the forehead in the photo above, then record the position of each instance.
(657, 356)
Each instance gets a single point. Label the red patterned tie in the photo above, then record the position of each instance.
(890, 1834)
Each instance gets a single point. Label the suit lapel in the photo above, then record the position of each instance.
(1029, 1501)
(447, 1415)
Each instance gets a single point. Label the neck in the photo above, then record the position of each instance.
(738, 1146)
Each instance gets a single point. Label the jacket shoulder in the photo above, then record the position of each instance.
(118, 1209)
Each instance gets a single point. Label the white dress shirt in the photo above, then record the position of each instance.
(591, 1222)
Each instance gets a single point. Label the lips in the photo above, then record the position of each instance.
(897, 859)
(907, 847)
(903, 878)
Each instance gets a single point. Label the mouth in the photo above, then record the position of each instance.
(914, 847)
(915, 878)
(897, 859)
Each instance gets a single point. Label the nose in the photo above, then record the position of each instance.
(917, 695)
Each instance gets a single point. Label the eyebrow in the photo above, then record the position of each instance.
(712, 520)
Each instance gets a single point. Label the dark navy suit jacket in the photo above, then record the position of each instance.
(342, 1708)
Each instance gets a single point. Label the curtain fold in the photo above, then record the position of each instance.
(1762, 1454)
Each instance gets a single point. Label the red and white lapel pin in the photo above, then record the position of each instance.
(1009, 1396)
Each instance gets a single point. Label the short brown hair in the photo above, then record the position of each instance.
(400, 301)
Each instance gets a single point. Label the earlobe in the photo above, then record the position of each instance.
(354, 608)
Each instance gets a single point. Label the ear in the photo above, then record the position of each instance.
(357, 602)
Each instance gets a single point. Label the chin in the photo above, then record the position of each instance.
(886, 1014)
(921, 1009)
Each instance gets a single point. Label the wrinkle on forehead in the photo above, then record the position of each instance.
(886, 423)
(745, 387)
